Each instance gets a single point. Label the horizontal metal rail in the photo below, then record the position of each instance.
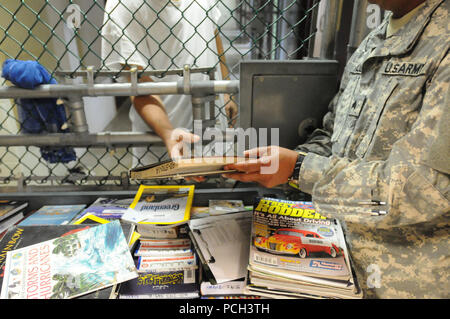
(109, 139)
(127, 73)
(200, 88)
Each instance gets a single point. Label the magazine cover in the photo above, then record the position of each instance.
(160, 205)
(217, 206)
(69, 266)
(107, 208)
(53, 215)
(290, 237)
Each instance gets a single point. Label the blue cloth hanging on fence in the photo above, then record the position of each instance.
(39, 116)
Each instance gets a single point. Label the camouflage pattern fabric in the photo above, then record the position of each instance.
(378, 144)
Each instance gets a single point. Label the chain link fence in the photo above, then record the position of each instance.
(113, 35)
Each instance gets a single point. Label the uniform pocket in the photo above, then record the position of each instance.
(346, 103)
(380, 98)
(427, 200)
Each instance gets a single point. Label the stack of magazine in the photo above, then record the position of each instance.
(297, 253)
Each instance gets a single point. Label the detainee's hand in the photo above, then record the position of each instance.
(179, 146)
(269, 166)
(178, 142)
(231, 109)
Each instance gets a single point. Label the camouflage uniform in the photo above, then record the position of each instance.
(386, 138)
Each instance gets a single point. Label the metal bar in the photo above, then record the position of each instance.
(81, 140)
(121, 89)
(111, 73)
(62, 178)
(327, 49)
(78, 116)
(313, 28)
(110, 139)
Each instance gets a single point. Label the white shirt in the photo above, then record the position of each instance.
(162, 34)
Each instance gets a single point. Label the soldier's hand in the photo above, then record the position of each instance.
(269, 166)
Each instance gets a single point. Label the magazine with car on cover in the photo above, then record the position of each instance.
(69, 266)
(295, 249)
(292, 236)
(160, 206)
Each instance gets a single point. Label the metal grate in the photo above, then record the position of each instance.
(69, 35)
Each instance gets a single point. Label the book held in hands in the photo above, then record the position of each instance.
(185, 167)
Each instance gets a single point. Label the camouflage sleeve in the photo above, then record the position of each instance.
(414, 189)
(320, 140)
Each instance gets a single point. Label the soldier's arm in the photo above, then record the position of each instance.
(407, 181)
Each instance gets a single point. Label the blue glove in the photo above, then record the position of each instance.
(26, 74)
(38, 115)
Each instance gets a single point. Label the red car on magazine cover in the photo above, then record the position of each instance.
(297, 242)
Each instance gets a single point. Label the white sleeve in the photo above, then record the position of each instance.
(123, 36)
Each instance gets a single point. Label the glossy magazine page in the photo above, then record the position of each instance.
(161, 205)
(291, 238)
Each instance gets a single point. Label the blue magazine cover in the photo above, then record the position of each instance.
(107, 208)
(53, 215)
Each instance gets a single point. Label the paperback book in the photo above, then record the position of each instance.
(53, 215)
(69, 266)
(10, 207)
(185, 167)
(163, 284)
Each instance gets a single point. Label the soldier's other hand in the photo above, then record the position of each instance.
(269, 166)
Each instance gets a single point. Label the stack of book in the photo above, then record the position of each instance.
(11, 213)
(167, 269)
(297, 253)
(164, 256)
